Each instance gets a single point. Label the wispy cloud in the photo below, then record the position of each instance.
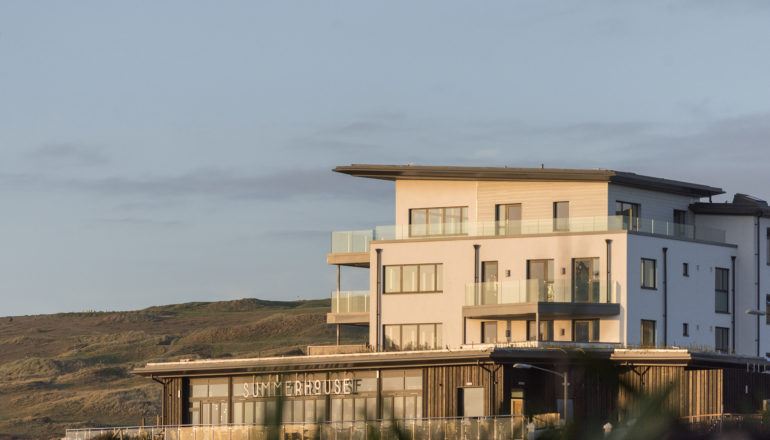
(213, 183)
(68, 154)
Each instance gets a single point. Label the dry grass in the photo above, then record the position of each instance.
(72, 370)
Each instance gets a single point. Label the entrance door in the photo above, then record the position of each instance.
(517, 412)
(490, 285)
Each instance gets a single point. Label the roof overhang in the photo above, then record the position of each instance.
(421, 172)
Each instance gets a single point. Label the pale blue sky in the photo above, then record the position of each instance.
(166, 151)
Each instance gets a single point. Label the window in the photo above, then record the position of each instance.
(680, 223)
(414, 278)
(585, 280)
(490, 285)
(585, 330)
(630, 213)
(438, 221)
(561, 216)
(648, 333)
(412, 337)
(722, 342)
(540, 281)
(508, 219)
(649, 274)
(722, 302)
(767, 247)
(685, 269)
(685, 329)
(767, 309)
(546, 330)
(489, 332)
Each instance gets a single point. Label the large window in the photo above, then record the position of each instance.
(546, 330)
(400, 337)
(540, 281)
(585, 280)
(630, 213)
(561, 216)
(489, 332)
(414, 278)
(648, 333)
(585, 330)
(209, 401)
(649, 274)
(438, 221)
(508, 219)
(401, 394)
(722, 295)
(722, 342)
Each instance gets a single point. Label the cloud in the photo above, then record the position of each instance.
(68, 154)
(212, 183)
(135, 221)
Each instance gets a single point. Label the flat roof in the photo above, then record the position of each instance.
(423, 172)
(416, 359)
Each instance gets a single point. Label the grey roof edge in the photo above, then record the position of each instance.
(424, 172)
(729, 209)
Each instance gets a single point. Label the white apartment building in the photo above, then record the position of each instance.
(527, 257)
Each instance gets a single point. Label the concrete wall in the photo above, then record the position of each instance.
(690, 299)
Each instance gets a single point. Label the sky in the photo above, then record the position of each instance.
(157, 152)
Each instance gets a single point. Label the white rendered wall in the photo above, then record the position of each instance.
(654, 205)
(742, 230)
(690, 299)
(457, 256)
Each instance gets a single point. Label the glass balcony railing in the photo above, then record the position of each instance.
(358, 241)
(356, 301)
(533, 291)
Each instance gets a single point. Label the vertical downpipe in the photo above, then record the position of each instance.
(759, 217)
(609, 270)
(476, 286)
(337, 299)
(379, 299)
(732, 321)
(665, 297)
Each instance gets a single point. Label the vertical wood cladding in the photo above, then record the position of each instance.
(440, 392)
(689, 392)
(744, 391)
(174, 398)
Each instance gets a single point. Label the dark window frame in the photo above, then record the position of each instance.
(685, 330)
(654, 333)
(437, 328)
(654, 273)
(686, 270)
(595, 323)
(549, 329)
(722, 290)
(463, 222)
(556, 226)
(722, 339)
(401, 279)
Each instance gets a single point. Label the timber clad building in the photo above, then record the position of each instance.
(490, 275)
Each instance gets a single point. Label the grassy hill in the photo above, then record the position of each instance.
(72, 370)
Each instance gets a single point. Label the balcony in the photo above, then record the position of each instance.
(547, 298)
(345, 244)
(349, 307)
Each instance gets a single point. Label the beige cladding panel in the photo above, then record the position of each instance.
(587, 199)
(412, 194)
